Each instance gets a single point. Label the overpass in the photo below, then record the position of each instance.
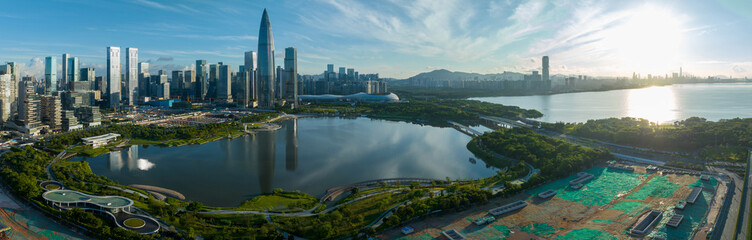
(334, 192)
(465, 129)
(506, 123)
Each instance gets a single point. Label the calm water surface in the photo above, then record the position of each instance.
(308, 154)
(664, 104)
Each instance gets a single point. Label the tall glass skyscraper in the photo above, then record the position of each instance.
(66, 71)
(265, 70)
(291, 74)
(202, 78)
(113, 76)
(74, 75)
(50, 75)
(131, 75)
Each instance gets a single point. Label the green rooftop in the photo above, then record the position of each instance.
(69, 196)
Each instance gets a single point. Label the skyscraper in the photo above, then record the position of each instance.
(546, 80)
(66, 71)
(248, 76)
(50, 75)
(224, 84)
(266, 65)
(74, 74)
(250, 60)
(545, 68)
(113, 76)
(201, 79)
(87, 74)
(291, 74)
(280, 88)
(131, 75)
(143, 79)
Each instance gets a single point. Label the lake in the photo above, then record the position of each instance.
(662, 104)
(306, 154)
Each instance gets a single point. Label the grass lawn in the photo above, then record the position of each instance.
(280, 201)
(134, 223)
(52, 187)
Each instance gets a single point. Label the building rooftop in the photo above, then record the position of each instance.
(101, 137)
(69, 196)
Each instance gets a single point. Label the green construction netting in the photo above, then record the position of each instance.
(607, 184)
(658, 186)
(709, 184)
(539, 229)
(421, 237)
(693, 217)
(503, 229)
(631, 208)
(485, 231)
(586, 234)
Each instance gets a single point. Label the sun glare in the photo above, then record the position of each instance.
(648, 40)
(656, 104)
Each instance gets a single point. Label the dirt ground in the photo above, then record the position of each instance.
(559, 215)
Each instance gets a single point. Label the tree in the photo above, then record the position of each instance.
(194, 206)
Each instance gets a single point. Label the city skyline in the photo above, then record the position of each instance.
(399, 40)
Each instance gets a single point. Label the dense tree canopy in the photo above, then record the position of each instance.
(555, 158)
(687, 135)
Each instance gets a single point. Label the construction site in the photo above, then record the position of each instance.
(615, 202)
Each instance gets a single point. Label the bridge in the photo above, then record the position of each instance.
(334, 192)
(506, 123)
(465, 129)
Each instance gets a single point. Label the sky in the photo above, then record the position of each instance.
(394, 38)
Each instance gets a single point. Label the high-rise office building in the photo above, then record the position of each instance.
(224, 84)
(545, 72)
(248, 77)
(330, 67)
(201, 79)
(189, 78)
(280, 88)
(73, 72)
(113, 76)
(342, 74)
(177, 84)
(131, 75)
(50, 75)
(266, 65)
(87, 74)
(291, 74)
(66, 71)
(143, 79)
(250, 60)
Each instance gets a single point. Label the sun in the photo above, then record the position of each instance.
(647, 40)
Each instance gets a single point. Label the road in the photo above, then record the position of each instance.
(741, 227)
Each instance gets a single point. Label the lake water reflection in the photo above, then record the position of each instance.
(307, 154)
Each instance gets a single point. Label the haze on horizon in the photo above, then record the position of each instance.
(395, 38)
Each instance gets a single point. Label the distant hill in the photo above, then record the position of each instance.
(446, 75)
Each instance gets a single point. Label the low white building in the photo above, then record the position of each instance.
(101, 140)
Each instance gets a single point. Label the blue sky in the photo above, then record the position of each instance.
(395, 38)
